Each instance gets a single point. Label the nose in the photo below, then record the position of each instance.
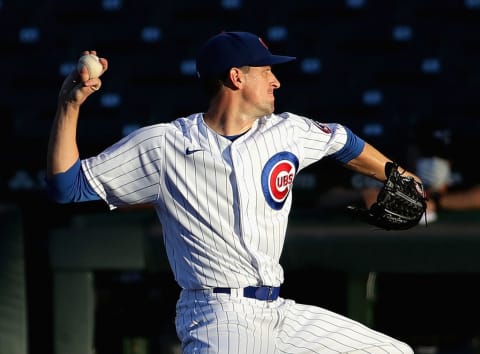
(275, 82)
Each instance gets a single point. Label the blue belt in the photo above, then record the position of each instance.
(265, 293)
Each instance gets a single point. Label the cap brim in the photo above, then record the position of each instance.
(272, 60)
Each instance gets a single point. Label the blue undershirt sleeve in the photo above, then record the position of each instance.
(352, 148)
(71, 186)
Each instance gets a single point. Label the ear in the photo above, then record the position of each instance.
(237, 77)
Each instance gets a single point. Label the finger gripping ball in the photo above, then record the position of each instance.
(92, 63)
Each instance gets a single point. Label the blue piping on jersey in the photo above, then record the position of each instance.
(70, 186)
(352, 148)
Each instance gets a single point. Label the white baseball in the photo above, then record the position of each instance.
(92, 63)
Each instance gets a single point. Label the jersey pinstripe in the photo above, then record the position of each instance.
(219, 228)
(224, 208)
(220, 323)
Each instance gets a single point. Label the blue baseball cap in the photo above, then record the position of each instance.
(234, 49)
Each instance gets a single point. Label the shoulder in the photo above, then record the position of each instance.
(149, 131)
(291, 117)
(309, 124)
(186, 124)
(178, 125)
(285, 118)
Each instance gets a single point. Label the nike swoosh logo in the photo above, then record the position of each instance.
(190, 151)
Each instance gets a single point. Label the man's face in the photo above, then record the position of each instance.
(260, 84)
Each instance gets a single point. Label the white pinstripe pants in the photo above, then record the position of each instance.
(232, 324)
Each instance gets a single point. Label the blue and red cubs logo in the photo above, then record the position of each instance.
(277, 178)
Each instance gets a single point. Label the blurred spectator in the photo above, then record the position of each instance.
(465, 199)
(434, 166)
(433, 143)
(431, 156)
(436, 174)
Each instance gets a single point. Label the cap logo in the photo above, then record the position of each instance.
(262, 42)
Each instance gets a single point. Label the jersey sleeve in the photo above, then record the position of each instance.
(353, 147)
(70, 186)
(329, 140)
(128, 172)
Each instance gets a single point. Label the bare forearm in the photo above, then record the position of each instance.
(371, 162)
(62, 146)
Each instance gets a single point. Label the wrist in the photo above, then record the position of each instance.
(66, 105)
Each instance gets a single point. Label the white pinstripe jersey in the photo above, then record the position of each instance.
(223, 205)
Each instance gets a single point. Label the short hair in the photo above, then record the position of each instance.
(212, 86)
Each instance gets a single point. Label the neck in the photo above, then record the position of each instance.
(227, 119)
(228, 127)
